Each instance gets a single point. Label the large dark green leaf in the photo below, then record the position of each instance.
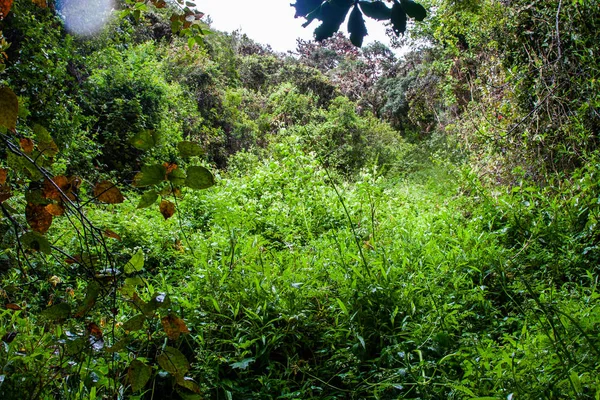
(356, 27)
(173, 361)
(134, 323)
(376, 10)
(199, 178)
(35, 241)
(150, 175)
(189, 149)
(92, 293)
(398, 19)
(57, 312)
(138, 374)
(414, 10)
(9, 108)
(177, 176)
(145, 140)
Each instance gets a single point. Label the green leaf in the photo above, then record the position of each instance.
(147, 199)
(134, 323)
(242, 364)
(376, 10)
(356, 27)
(57, 312)
(150, 175)
(45, 143)
(189, 149)
(188, 383)
(92, 293)
(173, 361)
(136, 263)
(35, 241)
(9, 108)
(199, 178)
(138, 374)
(414, 10)
(398, 19)
(145, 140)
(177, 176)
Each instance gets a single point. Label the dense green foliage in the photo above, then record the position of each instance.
(199, 217)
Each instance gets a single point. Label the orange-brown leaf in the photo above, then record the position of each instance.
(3, 175)
(167, 209)
(174, 326)
(107, 192)
(110, 234)
(13, 306)
(170, 167)
(94, 330)
(52, 193)
(55, 210)
(40, 3)
(5, 8)
(27, 145)
(5, 193)
(38, 218)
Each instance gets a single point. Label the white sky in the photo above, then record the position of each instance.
(272, 22)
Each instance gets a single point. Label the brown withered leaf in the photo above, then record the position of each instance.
(5, 193)
(167, 209)
(170, 167)
(52, 193)
(174, 326)
(41, 3)
(38, 218)
(55, 210)
(3, 175)
(26, 145)
(12, 306)
(110, 234)
(5, 8)
(94, 330)
(106, 192)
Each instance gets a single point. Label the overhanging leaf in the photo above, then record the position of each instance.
(9, 103)
(176, 176)
(35, 241)
(150, 175)
(167, 209)
(414, 10)
(304, 7)
(138, 375)
(57, 312)
(136, 263)
(3, 175)
(199, 178)
(27, 145)
(107, 192)
(189, 149)
(173, 361)
(356, 27)
(91, 295)
(56, 210)
(188, 383)
(398, 19)
(45, 143)
(376, 10)
(145, 140)
(332, 16)
(174, 326)
(147, 199)
(134, 323)
(38, 218)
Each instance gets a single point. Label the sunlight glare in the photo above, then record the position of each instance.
(85, 17)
